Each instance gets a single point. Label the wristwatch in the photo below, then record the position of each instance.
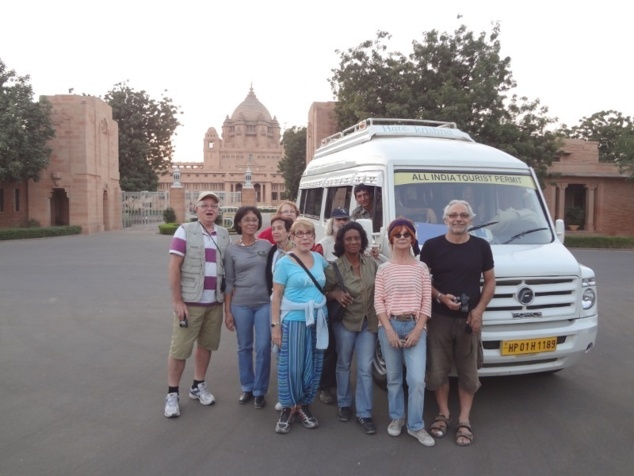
(438, 296)
(273, 324)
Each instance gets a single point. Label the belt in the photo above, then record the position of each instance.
(403, 317)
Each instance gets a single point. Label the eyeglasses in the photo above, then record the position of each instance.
(301, 234)
(249, 220)
(407, 234)
(463, 215)
(204, 206)
(288, 212)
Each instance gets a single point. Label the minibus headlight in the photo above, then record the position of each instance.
(588, 299)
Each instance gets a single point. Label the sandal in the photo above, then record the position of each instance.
(440, 426)
(464, 432)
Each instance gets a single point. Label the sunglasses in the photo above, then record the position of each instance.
(403, 235)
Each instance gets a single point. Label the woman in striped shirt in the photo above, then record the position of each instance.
(402, 300)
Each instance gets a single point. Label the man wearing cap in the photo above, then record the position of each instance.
(326, 248)
(196, 282)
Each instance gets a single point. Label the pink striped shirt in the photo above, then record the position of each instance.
(403, 289)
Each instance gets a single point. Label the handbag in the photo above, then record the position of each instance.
(335, 309)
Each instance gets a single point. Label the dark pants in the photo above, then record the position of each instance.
(329, 371)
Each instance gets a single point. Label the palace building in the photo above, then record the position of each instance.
(250, 141)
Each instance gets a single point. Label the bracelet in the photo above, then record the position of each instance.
(273, 324)
(438, 296)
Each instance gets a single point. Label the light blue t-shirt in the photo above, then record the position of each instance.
(298, 287)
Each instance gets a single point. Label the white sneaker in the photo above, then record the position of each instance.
(171, 405)
(278, 407)
(422, 436)
(395, 427)
(202, 394)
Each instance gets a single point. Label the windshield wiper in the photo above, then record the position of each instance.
(473, 228)
(519, 235)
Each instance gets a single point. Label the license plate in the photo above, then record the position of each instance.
(529, 346)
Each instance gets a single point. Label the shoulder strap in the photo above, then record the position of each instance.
(212, 239)
(299, 261)
(339, 277)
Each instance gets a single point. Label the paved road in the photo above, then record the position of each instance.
(84, 332)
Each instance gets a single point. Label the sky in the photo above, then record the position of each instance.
(205, 56)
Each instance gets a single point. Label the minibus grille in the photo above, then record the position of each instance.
(522, 299)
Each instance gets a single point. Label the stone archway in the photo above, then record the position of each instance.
(576, 197)
(60, 208)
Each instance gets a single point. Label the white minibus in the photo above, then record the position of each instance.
(543, 317)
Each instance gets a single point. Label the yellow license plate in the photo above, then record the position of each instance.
(529, 346)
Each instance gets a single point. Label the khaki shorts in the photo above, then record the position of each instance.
(205, 324)
(449, 345)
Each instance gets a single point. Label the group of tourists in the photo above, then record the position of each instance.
(276, 289)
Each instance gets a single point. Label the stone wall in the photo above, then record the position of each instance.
(81, 184)
(13, 204)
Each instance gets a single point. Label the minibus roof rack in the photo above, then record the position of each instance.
(366, 129)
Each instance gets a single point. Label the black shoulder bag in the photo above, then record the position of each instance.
(299, 261)
(335, 309)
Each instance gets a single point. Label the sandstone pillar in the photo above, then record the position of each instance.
(177, 202)
(561, 203)
(590, 207)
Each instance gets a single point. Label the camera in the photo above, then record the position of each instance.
(463, 300)
(183, 323)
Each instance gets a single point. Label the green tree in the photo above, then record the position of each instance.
(25, 128)
(615, 135)
(146, 128)
(294, 162)
(459, 77)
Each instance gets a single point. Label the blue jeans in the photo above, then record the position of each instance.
(347, 342)
(247, 320)
(415, 360)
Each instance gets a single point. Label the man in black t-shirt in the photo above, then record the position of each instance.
(456, 262)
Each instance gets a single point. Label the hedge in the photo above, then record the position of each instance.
(41, 232)
(596, 241)
(168, 228)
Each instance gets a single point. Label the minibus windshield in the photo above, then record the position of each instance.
(507, 208)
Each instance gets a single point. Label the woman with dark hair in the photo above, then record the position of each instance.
(287, 209)
(280, 231)
(247, 306)
(402, 301)
(357, 330)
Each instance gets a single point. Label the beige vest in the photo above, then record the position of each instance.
(193, 267)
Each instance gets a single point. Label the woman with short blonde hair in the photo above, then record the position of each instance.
(299, 329)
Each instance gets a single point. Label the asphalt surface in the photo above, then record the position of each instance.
(84, 333)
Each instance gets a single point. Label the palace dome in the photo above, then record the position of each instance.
(251, 110)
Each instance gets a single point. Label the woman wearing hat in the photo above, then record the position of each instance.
(402, 301)
(326, 246)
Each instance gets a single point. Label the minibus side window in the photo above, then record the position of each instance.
(337, 197)
(311, 205)
(302, 200)
(376, 213)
